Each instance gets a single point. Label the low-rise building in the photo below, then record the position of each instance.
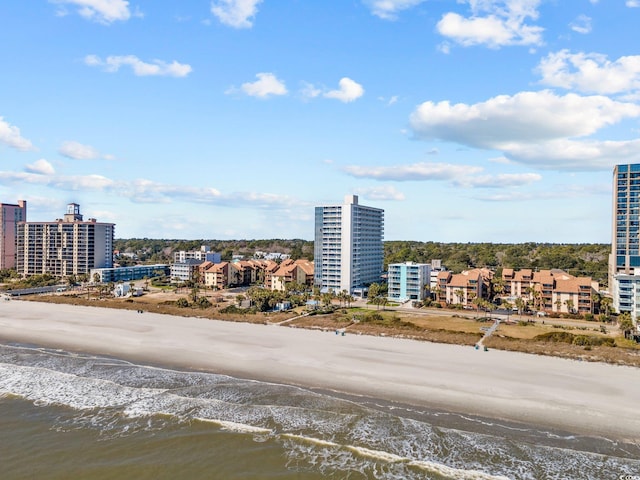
(551, 290)
(185, 271)
(408, 281)
(290, 271)
(626, 298)
(128, 274)
(203, 254)
(462, 288)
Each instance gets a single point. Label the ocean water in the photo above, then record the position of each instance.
(68, 416)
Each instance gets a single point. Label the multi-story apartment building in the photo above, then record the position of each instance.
(407, 281)
(203, 254)
(462, 288)
(186, 271)
(627, 298)
(10, 215)
(624, 260)
(290, 271)
(625, 238)
(67, 246)
(551, 290)
(348, 250)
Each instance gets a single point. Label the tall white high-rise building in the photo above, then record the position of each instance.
(348, 251)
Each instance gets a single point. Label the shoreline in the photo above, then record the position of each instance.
(580, 397)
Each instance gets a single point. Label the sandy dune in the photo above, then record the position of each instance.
(581, 397)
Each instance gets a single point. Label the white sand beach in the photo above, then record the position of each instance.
(581, 397)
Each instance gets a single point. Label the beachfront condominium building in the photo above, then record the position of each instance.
(348, 253)
(625, 238)
(67, 246)
(10, 215)
(408, 281)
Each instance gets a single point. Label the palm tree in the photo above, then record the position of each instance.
(569, 304)
(595, 302)
(477, 301)
(383, 301)
(508, 306)
(558, 303)
(520, 304)
(605, 304)
(625, 324)
(326, 298)
(460, 294)
(427, 291)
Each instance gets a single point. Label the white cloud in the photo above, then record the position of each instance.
(387, 9)
(633, 3)
(235, 13)
(348, 91)
(502, 180)
(414, 172)
(501, 160)
(266, 86)
(141, 69)
(585, 155)
(526, 116)
(101, 11)
(494, 23)
(148, 191)
(538, 128)
(381, 193)
(40, 167)
(466, 176)
(390, 101)
(78, 151)
(590, 72)
(582, 24)
(10, 135)
(310, 91)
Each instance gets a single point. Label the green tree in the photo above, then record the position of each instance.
(569, 303)
(327, 298)
(374, 290)
(625, 324)
(460, 294)
(520, 304)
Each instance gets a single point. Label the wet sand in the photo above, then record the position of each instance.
(581, 397)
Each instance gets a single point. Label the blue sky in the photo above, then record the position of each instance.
(466, 121)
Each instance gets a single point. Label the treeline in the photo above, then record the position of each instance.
(150, 250)
(589, 260)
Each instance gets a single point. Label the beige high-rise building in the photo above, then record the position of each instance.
(10, 215)
(67, 246)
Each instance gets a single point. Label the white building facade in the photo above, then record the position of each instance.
(627, 298)
(348, 250)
